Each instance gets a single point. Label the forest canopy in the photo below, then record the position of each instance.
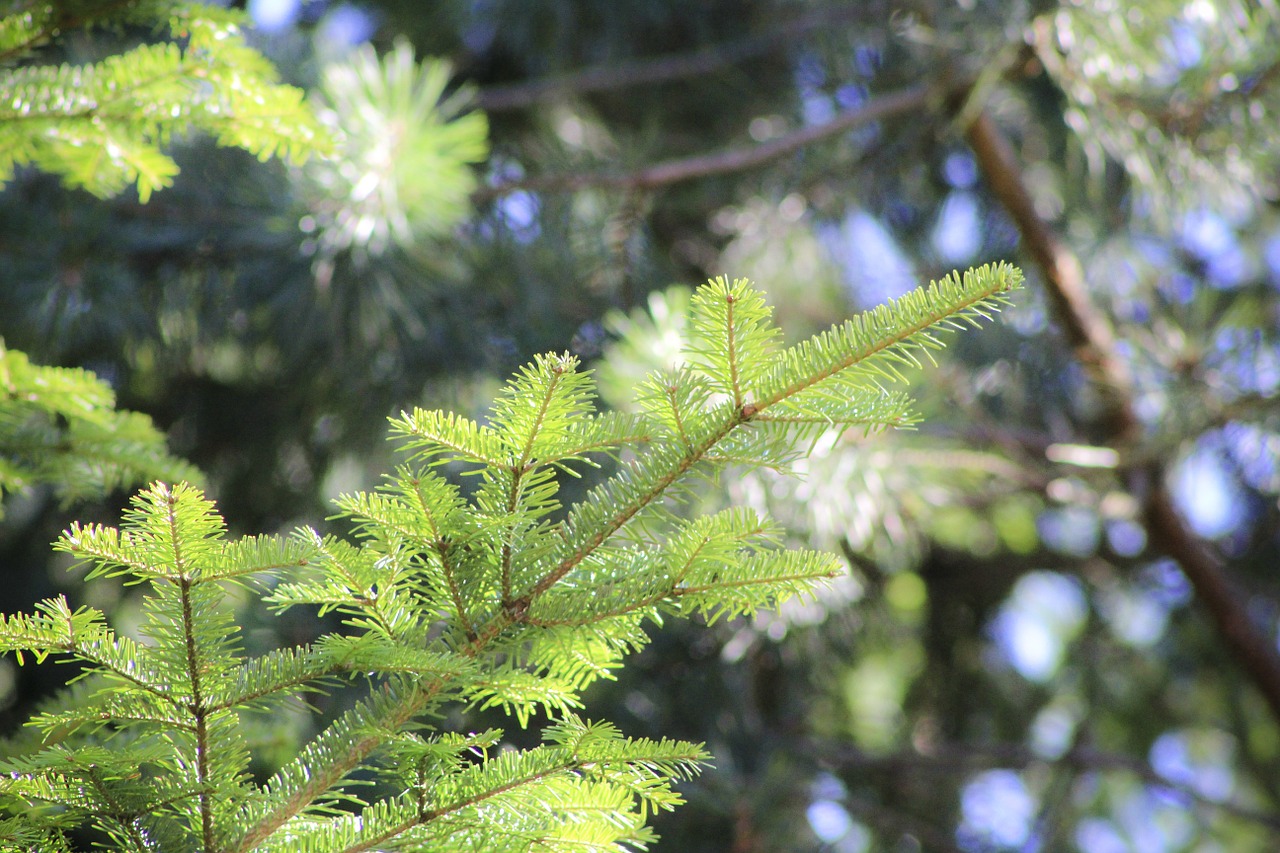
(236, 239)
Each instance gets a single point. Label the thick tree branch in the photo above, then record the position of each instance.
(660, 69)
(1093, 344)
(723, 162)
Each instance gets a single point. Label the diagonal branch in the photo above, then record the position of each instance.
(1093, 344)
(732, 160)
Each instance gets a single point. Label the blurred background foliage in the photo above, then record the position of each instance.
(1017, 659)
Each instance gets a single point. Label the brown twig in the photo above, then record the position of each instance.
(723, 162)
(1093, 344)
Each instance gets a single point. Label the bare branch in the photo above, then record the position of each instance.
(723, 162)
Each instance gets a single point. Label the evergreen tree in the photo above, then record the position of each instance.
(1057, 627)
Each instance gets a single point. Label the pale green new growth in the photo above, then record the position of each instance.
(407, 151)
(102, 125)
(484, 591)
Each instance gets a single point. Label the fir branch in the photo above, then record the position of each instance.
(55, 629)
(881, 341)
(102, 125)
(481, 599)
(438, 438)
(731, 336)
(622, 499)
(674, 400)
(326, 760)
(866, 348)
(584, 772)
